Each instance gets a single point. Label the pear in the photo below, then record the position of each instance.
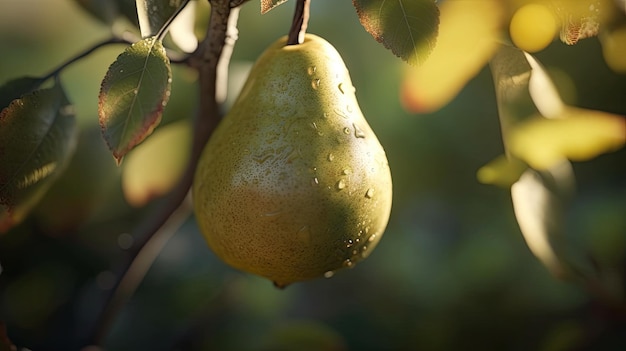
(293, 184)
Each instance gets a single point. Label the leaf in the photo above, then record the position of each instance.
(502, 171)
(182, 29)
(267, 5)
(133, 94)
(407, 27)
(15, 88)
(468, 34)
(84, 187)
(579, 135)
(154, 167)
(153, 14)
(537, 127)
(538, 201)
(38, 135)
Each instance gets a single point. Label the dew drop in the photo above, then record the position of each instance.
(364, 248)
(315, 181)
(311, 70)
(315, 83)
(346, 130)
(348, 263)
(346, 171)
(135, 91)
(340, 86)
(329, 274)
(370, 193)
(372, 238)
(349, 243)
(121, 71)
(358, 132)
(341, 184)
(355, 251)
(331, 157)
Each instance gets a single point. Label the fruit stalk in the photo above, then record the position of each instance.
(299, 23)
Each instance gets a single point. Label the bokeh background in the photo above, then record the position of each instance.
(451, 272)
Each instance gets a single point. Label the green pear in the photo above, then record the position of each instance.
(293, 184)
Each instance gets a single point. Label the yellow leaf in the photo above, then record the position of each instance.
(468, 32)
(579, 135)
(502, 171)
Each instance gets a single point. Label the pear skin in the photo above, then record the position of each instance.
(293, 184)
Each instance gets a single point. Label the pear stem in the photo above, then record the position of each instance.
(170, 212)
(299, 23)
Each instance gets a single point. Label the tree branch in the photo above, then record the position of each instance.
(212, 51)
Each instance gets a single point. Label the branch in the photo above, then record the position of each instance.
(299, 23)
(212, 51)
(114, 40)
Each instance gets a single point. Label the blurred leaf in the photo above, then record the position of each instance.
(537, 127)
(154, 167)
(153, 14)
(37, 139)
(267, 5)
(16, 88)
(407, 28)
(467, 39)
(614, 48)
(183, 28)
(502, 171)
(542, 91)
(81, 189)
(579, 135)
(109, 11)
(538, 203)
(132, 96)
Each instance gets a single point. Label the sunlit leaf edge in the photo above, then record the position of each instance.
(267, 5)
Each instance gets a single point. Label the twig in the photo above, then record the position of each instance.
(109, 41)
(299, 23)
(206, 60)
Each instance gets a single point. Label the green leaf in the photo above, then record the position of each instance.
(267, 5)
(38, 135)
(133, 94)
(407, 27)
(153, 14)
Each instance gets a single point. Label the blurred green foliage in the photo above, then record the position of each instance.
(452, 271)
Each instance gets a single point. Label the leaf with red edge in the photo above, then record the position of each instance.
(267, 5)
(133, 94)
(38, 136)
(407, 27)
